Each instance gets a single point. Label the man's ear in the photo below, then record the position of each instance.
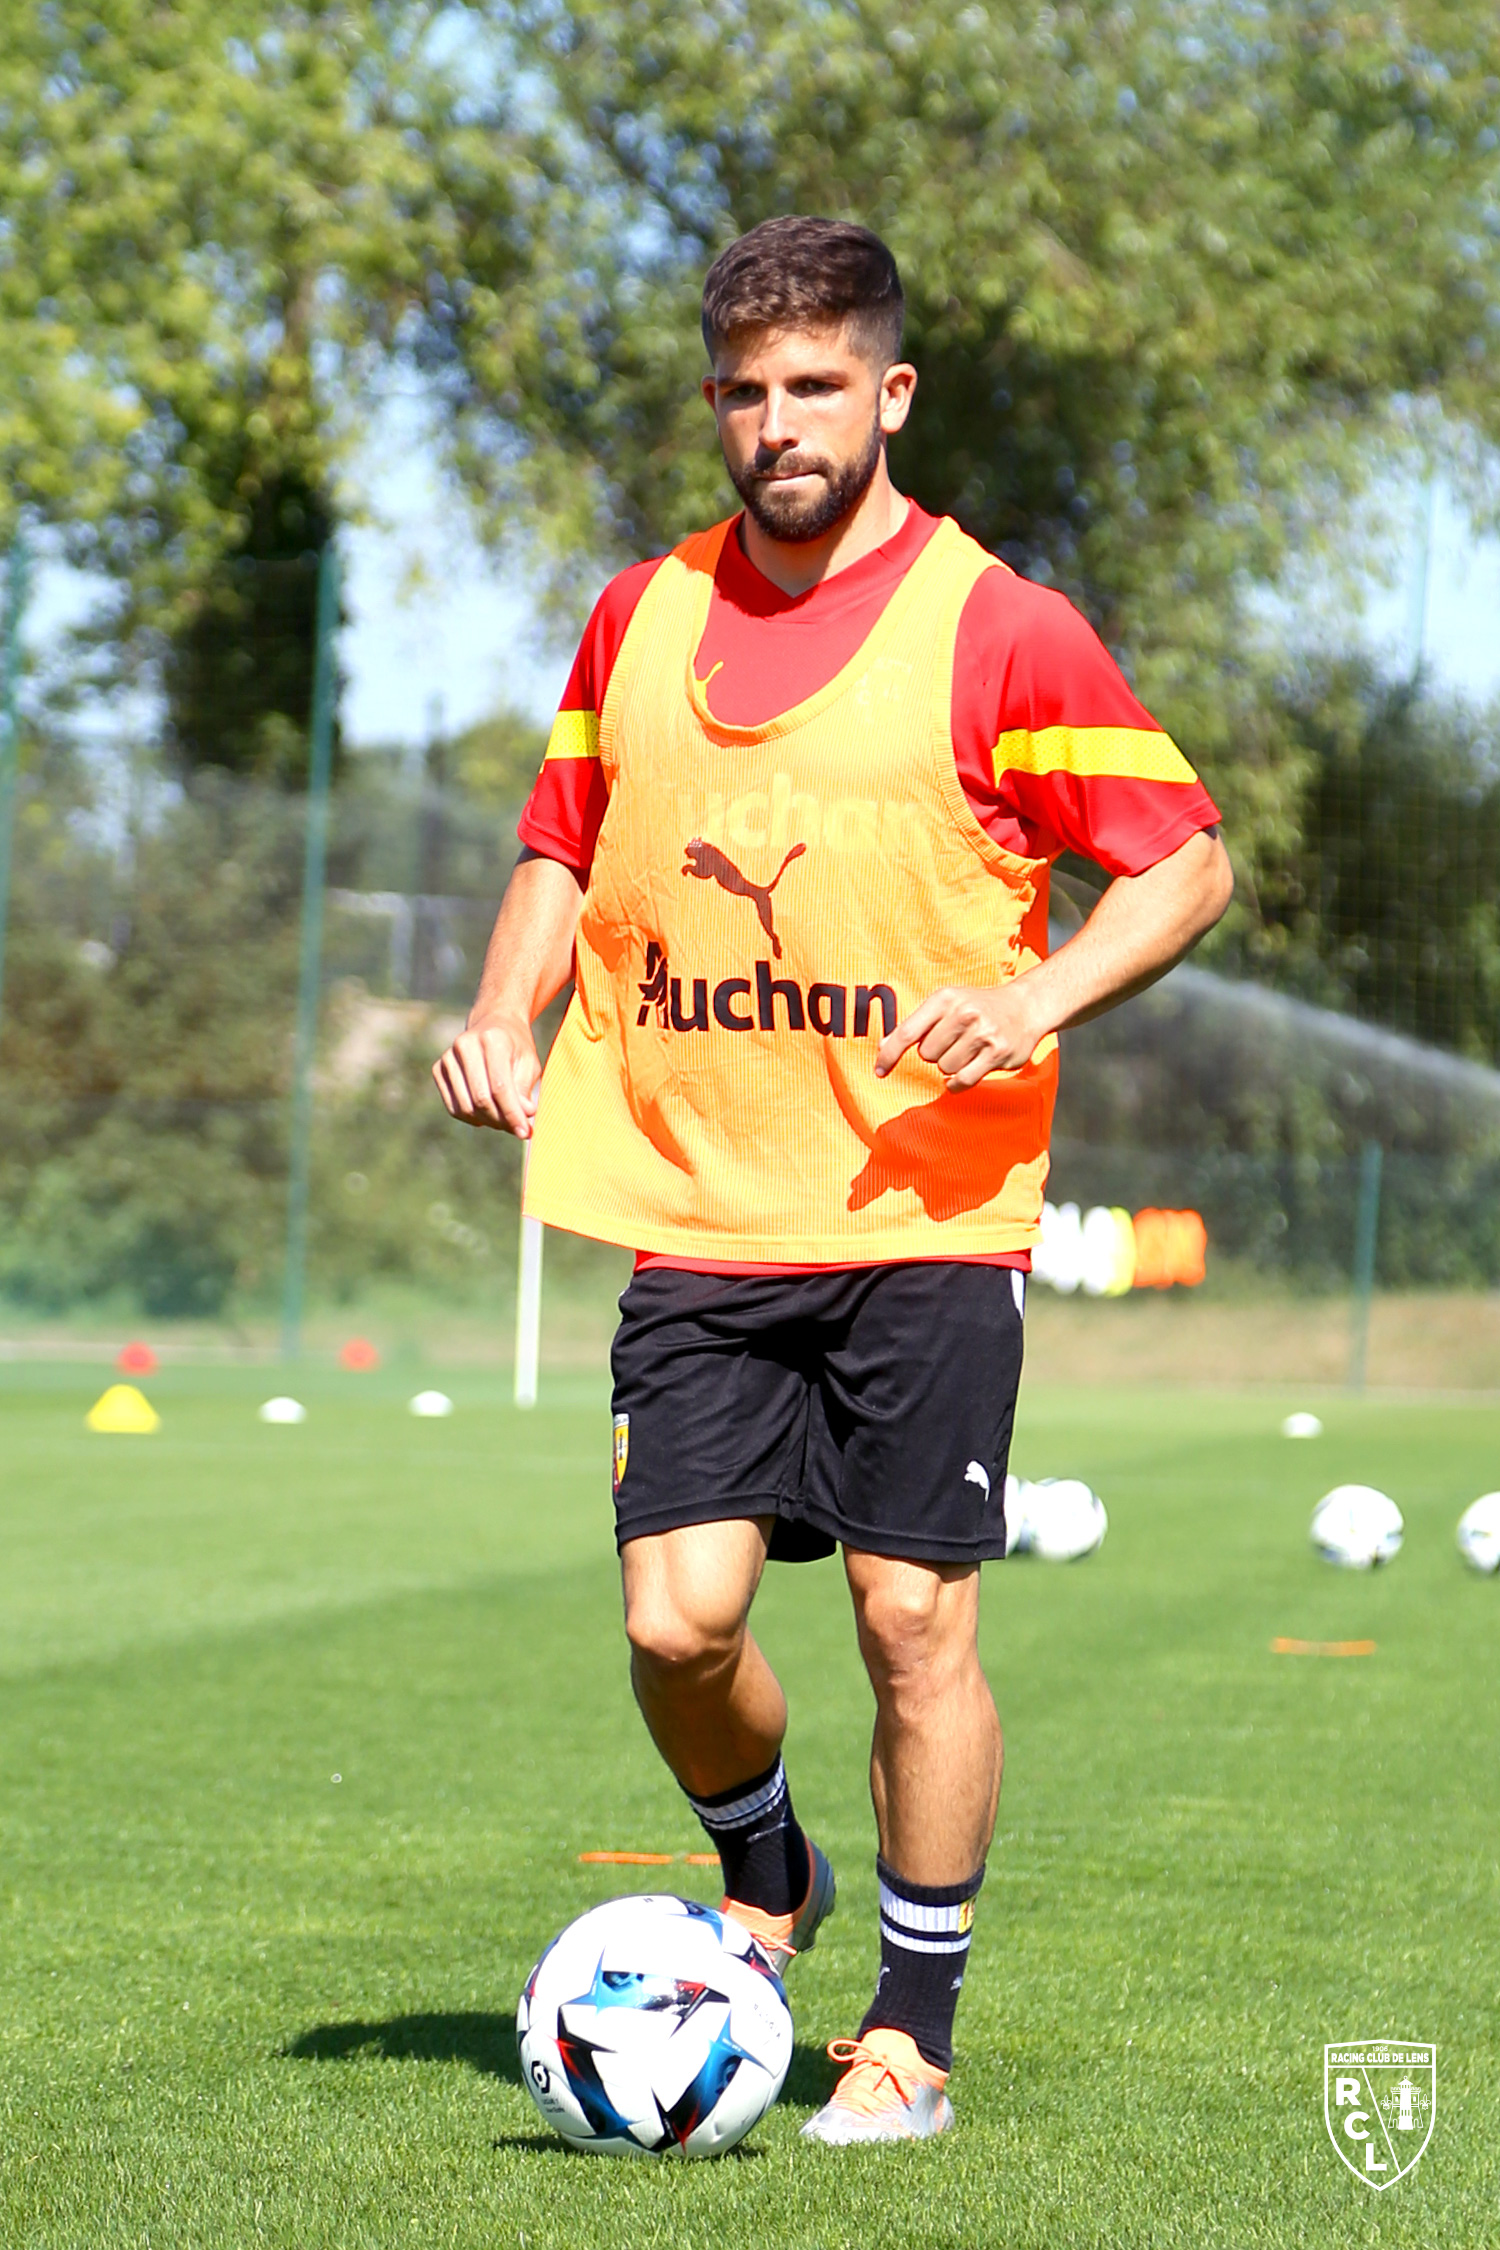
(710, 389)
(897, 389)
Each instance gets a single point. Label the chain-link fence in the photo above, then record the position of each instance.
(160, 926)
(157, 935)
(1259, 1111)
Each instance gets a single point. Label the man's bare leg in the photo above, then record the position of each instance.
(935, 1779)
(714, 1706)
(936, 1761)
(717, 1714)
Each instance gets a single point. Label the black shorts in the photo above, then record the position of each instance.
(870, 1408)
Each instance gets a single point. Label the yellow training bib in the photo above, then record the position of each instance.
(765, 904)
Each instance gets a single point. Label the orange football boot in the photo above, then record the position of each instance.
(782, 1935)
(888, 2093)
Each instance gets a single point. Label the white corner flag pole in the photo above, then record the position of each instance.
(528, 1301)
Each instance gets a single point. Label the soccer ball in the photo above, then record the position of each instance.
(1058, 1518)
(1479, 1533)
(654, 2026)
(1356, 1527)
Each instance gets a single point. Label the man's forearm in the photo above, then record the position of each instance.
(530, 954)
(1141, 927)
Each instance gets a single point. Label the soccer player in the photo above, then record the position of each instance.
(792, 841)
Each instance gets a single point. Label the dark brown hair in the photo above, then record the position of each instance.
(797, 273)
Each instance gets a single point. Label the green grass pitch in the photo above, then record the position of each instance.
(302, 1731)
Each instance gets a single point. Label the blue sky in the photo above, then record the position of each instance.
(438, 632)
(432, 616)
(439, 635)
(1453, 608)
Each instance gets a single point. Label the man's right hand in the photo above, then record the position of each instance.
(490, 1075)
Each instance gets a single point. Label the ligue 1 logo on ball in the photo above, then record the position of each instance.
(1379, 2103)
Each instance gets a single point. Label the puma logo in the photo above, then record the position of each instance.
(709, 864)
(977, 1473)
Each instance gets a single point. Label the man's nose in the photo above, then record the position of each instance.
(777, 423)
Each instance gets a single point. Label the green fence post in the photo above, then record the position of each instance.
(1366, 1229)
(10, 726)
(310, 966)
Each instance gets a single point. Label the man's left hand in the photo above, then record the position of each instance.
(966, 1031)
(1141, 925)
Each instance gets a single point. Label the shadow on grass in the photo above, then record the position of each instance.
(552, 2144)
(487, 2043)
(811, 2078)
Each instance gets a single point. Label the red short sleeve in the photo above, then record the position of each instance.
(1054, 751)
(567, 803)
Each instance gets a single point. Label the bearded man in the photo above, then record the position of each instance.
(792, 841)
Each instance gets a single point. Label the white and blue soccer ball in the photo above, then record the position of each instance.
(1356, 1527)
(1059, 1518)
(654, 2027)
(1479, 1533)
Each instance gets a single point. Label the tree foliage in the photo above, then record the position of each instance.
(218, 217)
(1172, 271)
(145, 1061)
(1388, 905)
(497, 761)
(1180, 278)
(218, 220)
(238, 671)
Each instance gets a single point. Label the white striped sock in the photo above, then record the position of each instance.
(743, 1811)
(925, 1929)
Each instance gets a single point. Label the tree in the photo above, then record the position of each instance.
(1172, 273)
(1388, 906)
(497, 761)
(146, 1052)
(217, 220)
(238, 671)
(1176, 275)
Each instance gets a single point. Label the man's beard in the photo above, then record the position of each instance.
(797, 517)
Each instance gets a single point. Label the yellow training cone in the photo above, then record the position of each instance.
(124, 1412)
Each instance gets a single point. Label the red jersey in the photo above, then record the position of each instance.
(1053, 750)
(1046, 732)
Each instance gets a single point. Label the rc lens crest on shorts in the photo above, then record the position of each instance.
(621, 1448)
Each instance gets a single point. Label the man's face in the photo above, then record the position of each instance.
(802, 416)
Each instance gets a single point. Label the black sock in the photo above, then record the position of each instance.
(924, 1950)
(761, 1849)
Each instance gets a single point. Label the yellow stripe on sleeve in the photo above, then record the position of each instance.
(1093, 753)
(575, 734)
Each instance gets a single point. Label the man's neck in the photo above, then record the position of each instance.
(794, 565)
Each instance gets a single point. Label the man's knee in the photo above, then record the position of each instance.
(916, 1630)
(688, 1594)
(671, 1637)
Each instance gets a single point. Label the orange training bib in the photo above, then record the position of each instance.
(765, 904)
